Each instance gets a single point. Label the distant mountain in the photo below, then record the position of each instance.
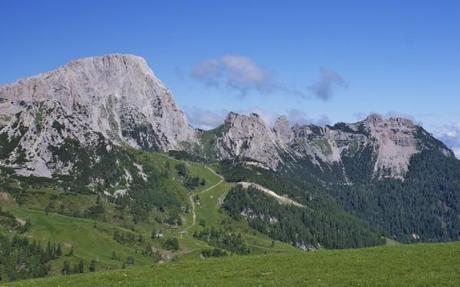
(82, 123)
(390, 173)
(388, 143)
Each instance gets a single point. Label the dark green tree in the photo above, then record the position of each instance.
(92, 266)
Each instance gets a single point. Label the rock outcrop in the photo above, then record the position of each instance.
(116, 96)
(393, 142)
(248, 138)
(117, 100)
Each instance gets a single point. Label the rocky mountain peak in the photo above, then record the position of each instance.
(242, 120)
(391, 142)
(376, 120)
(117, 99)
(373, 118)
(394, 142)
(67, 82)
(116, 96)
(248, 138)
(282, 129)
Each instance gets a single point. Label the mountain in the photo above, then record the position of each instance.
(391, 143)
(388, 172)
(118, 99)
(115, 99)
(99, 127)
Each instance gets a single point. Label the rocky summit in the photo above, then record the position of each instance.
(390, 143)
(118, 100)
(114, 98)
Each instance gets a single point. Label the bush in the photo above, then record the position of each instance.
(181, 169)
(171, 244)
(216, 252)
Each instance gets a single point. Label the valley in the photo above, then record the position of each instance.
(101, 174)
(91, 239)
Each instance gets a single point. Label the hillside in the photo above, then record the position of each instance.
(422, 207)
(402, 265)
(100, 170)
(90, 227)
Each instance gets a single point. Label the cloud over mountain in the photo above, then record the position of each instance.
(450, 135)
(205, 119)
(234, 71)
(329, 80)
(296, 116)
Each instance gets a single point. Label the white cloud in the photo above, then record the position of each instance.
(242, 74)
(268, 117)
(208, 119)
(237, 72)
(205, 119)
(450, 135)
(296, 116)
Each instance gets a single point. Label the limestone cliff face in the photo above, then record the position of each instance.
(29, 139)
(282, 130)
(247, 138)
(117, 100)
(116, 97)
(392, 141)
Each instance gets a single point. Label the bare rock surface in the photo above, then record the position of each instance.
(118, 100)
(116, 96)
(393, 142)
(248, 138)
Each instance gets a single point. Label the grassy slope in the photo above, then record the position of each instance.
(208, 210)
(415, 265)
(89, 240)
(402, 265)
(93, 240)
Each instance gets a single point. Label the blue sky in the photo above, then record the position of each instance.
(317, 61)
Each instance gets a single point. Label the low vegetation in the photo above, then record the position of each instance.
(183, 214)
(99, 230)
(403, 265)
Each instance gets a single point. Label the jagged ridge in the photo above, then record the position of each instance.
(119, 98)
(391, 141)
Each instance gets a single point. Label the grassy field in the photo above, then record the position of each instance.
(90, 240)
(94, 239)
(400, 265)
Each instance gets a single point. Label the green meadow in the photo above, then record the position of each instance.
(400, 265)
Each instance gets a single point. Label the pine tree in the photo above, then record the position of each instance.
(81, 267)
(59, 250)
(92, 266)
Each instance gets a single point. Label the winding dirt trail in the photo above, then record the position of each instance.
(200, 192)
